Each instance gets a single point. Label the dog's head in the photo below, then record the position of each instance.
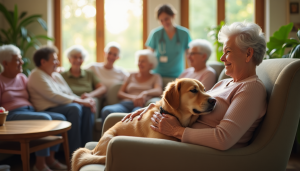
(186, 98)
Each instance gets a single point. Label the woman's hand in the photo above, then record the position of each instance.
(88, 102)
(140, 112)
(140, 100)
(85, 95)
(167, 124)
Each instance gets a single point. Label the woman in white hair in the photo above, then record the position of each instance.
(15, 98)
(139, 87)
(83, 83)
(109, 74)
(198, 54)
(241, 100)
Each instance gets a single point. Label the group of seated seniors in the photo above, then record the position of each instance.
(139, 87)
(50, 92)
(241, 100)
(15, 98)
(198, 53)
(83, 83)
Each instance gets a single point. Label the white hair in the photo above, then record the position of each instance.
(75, 49)
(150, 56)
(202, 45)
(247, 35)
(7, 51)
(112, 44)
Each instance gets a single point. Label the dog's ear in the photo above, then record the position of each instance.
(172, 94)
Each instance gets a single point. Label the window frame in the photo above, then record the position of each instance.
(100, 28)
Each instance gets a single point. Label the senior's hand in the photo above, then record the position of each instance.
(85, 95)
(139, 112)
(140, 100)
(89, 102)
(167, 124)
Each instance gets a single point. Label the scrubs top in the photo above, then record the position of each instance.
(172, 49)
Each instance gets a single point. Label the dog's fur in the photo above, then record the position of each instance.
(184, 98)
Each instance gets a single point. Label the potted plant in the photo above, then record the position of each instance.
(213, 34)
(19, 35)
(280, 41)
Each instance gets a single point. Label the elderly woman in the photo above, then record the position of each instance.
(199, 53)
(83, 83)
(108, 74)
(14, 98)
(49, 91)
(241, 100)
(139, 87)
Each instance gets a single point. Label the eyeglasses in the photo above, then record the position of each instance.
(194, 53)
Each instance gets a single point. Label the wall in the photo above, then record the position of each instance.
(43, 7)
(152, 4)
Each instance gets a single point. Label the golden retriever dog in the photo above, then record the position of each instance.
(183, 98)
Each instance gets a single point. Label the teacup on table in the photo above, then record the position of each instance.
(3, 118)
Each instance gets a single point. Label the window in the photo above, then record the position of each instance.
(78, 28)
(124, 25)
(199, 22)
(239, 10)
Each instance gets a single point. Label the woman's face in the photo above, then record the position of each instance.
(195, 57)
(112, 55)
(52, 63)
(76, 60)
(234, 59)
(144, 65)
(166, 20)
(14, 67)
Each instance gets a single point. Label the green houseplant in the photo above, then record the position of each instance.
(280, 41)
(213, 34)
(19, 35)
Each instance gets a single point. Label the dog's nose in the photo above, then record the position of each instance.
(212, 101)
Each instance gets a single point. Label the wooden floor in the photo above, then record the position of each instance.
(16, 163)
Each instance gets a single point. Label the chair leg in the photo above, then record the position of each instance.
(66, 149)
(25, 155)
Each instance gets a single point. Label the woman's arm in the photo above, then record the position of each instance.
(37, 83)
(122, 93)
(247, 106)
(156, 91)
(98, 92)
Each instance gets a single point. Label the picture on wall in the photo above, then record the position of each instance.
(294, 7)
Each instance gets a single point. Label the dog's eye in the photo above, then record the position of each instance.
(204, 90)
(194, 91)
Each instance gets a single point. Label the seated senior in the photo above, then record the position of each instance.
(106, 71)
(198, 54)
(139, 87)
(14, 98)
(241, 100)
(50, 92)
(83, 83)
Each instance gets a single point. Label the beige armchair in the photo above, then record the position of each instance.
(269, 150)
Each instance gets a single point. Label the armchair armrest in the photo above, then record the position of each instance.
(148, 154)
(112, 94)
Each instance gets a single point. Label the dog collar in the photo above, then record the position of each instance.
(163, 111)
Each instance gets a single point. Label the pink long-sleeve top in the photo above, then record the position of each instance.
(207, 76)
(13, 92)
(239, 109)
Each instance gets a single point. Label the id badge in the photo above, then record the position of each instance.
(163, 59)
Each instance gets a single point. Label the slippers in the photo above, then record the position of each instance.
(56, 165)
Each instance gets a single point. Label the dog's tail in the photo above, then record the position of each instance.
(84, 156)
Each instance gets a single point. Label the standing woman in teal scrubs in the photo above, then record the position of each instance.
(170, 43)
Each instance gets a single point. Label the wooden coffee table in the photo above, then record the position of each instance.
(26, 136)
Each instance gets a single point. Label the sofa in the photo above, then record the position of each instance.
(269, 149)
